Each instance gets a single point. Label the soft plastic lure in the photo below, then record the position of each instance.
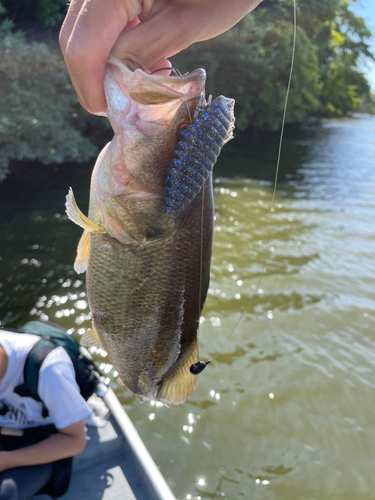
(196, 153)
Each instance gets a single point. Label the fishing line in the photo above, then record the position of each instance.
(201, 258)
(276, 173)
(202, 219)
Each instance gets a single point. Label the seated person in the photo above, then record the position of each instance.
(24, 472)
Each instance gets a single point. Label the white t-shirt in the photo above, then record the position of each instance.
(57, 387)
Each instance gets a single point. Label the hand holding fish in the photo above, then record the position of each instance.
(141, 32)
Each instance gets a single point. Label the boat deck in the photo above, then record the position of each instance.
(115, 465)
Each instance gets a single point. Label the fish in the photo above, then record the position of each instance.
(147, 241)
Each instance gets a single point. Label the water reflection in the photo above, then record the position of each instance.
(284, 411)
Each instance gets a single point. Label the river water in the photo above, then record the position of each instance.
(286, 410)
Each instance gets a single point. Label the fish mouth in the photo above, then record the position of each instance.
(157, 89)
(146, 88)
(152, 103)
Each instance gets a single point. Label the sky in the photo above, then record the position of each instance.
(366, 9)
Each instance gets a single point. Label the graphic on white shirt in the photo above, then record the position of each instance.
(9, 414)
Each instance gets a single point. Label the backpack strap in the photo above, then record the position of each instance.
(33, 363)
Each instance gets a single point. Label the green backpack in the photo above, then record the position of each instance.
(52, 336)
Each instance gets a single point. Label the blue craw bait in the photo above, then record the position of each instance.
(196, 153)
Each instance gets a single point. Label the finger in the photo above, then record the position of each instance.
(165, 32)
(68, 24)
(95, 31)
(173, 26)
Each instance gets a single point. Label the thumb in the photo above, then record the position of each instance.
(161, 34)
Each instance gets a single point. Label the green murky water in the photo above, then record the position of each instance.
(287, 409)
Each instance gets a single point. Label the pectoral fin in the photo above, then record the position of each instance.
(177, 388)
(91, 338)
(75, 215)
(80, 264)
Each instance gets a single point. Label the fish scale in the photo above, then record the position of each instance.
(120, 279)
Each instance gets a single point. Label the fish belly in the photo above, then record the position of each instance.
(146, 300)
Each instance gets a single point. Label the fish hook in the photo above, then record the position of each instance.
(175, 71)
(198, 368)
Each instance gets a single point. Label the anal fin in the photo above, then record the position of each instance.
(80, 264)
(177, 388)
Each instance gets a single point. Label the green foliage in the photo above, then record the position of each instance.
(252, 61)
(39, 107)
(368, 104)
(51, 12)
(36, 13)
(40, 117)
(344, 87)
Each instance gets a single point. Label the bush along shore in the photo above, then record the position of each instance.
(41, 119)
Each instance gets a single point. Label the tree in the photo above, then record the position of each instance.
(39, 106)
(36, 13)
(41, 119)
(251, 63)
(344, 85)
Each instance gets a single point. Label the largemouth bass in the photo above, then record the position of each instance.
(147, 242)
